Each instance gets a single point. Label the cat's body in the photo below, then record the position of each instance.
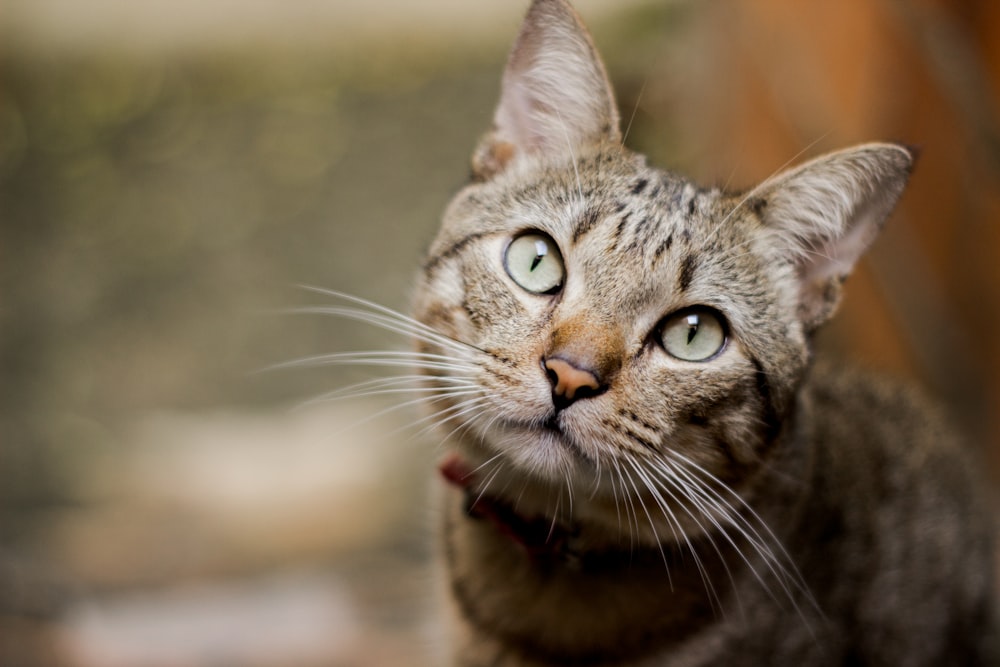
(648, 467)
(881, 522)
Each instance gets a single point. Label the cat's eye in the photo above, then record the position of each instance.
(694, 334)
(533, 261)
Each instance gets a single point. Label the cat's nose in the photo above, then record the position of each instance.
(570, 382)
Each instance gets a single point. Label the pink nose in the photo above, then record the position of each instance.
(569, 382)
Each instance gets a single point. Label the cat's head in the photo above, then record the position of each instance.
(619, 316)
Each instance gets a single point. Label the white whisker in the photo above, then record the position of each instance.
(572, 155)
(760, 187)
(635, 109)
(680, 536)
(710, 501)
(652, 526)
(376, 308)
(386, 322)
(378, 358)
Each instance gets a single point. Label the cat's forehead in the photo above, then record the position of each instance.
(626, 223)
(643, 202)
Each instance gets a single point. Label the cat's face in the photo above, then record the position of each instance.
(667, 296)
(620, 330)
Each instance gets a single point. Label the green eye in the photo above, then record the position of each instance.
(694, 334)
(533, 262)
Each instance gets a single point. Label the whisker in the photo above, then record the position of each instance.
(390, 323)
(654, 488)
(652, 526)
(631, 516)
(780, 564)
(384, 310)
(696, 494)
(487, 462)
(406, 404)
(435, 392)
(635, 109)
(572, 155)
(568, 476)
(378, 358)
(362, 359)
(766, 183)
(486, 485)
(456, 411)
(381, 316)
(667, 481)
(717, 483)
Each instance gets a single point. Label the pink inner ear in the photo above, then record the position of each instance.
(836, 259)
(516, 116)
(555, 97)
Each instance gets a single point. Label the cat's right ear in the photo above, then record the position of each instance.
(555, 98)
(826, 213)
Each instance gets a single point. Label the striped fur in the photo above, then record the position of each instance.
(725, 511)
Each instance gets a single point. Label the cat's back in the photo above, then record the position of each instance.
(899, 521)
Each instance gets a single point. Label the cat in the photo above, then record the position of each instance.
(645, 465)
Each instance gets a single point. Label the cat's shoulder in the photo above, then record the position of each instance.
(865, 422)
(849, 386)
(863, 406)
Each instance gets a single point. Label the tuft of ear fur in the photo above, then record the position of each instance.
(827, 212)
(555, 95)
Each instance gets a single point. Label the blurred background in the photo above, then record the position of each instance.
(171, 171)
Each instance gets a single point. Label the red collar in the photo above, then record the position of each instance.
(538, 536)
(547, 543)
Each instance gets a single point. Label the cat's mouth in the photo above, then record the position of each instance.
(551, 429)
(553, 426)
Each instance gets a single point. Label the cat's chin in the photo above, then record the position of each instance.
(516, 459)
(543, 451)
(542, 472)
(539, 513)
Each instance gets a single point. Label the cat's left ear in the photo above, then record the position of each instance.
(555, 99)
(827, 212)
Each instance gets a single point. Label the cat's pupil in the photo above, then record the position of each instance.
(540, 252)
(692, 321)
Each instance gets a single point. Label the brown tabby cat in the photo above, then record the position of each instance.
(647, 467)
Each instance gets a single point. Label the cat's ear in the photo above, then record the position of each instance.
(827, 212)
(555, 97)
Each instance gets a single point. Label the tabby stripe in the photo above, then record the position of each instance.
(772, 420)
(507, 361)
(454, 249)
(643, 234)
(688, 266)
(503, 377)
(620, 229)
(641, 440)
(638, 420)
(664, 246)
(676, 197)
(587, 222)
(736, 468)
(632, 435)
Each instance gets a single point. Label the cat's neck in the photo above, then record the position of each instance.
(598, 570)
